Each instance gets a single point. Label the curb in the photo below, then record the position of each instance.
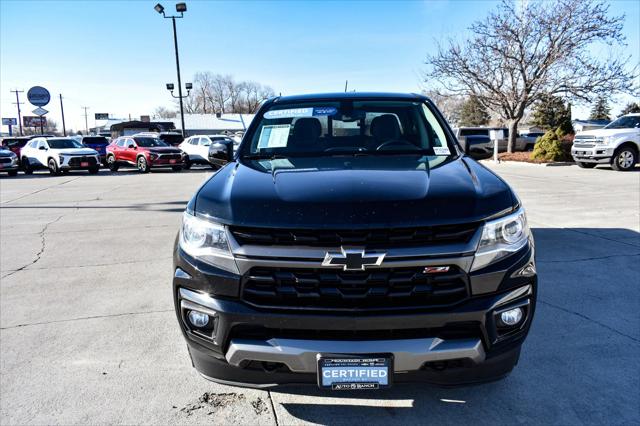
(524, 163)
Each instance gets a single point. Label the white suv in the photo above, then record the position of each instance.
(58, 155)
(196, 148)
(617, 144)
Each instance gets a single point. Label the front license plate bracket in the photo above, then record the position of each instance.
(355, 371)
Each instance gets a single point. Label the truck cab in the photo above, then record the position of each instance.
(617, 144)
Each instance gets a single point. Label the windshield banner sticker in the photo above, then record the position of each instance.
(300, 112)
(441, 150)
(275, 136)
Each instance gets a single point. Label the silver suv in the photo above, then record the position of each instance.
(616, 144)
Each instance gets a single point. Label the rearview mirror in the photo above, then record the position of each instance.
(221, 152)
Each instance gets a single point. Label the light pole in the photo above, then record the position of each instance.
(180, 8)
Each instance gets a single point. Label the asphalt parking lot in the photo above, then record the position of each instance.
(88, 333)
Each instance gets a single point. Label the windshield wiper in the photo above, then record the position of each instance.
(265, 157)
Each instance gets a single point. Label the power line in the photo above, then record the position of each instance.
(18, 103)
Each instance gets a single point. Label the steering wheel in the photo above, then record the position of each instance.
(398, 142)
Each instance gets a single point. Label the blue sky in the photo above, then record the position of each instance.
(116, 56)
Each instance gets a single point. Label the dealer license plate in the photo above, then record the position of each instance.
(84, 164)
(349, 372)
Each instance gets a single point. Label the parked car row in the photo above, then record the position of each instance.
(144, 151)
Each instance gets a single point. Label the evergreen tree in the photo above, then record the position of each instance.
(600, 110)
(473, 113)
(630, 108)
(551, 113)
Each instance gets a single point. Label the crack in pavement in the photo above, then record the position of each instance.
(126, 262)
(42, 248)
(588, 258)
(87, 318)
(578, 314)
(39, 190)
(273, 408)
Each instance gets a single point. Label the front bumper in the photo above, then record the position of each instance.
(76, 162)
(598, 154)
(9, 167)
(165, 163)
(253, 346)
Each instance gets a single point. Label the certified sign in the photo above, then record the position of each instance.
(9, 121)
(38, 96)
(39, 111)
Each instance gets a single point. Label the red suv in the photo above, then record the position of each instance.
(144, 152)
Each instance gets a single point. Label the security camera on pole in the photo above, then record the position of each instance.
(39, 96)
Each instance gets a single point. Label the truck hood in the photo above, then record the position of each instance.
(600, 133)
(164, 150)
(75, 151)
(347, 192)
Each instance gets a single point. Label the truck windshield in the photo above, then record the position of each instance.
(63, 143)
(350, 127)
(625, 123)
(149, 142)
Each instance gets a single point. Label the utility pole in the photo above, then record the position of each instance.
(64, 128)
(346, 84)
(86, 125)
(18, 103)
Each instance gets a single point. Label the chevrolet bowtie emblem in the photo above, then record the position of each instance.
(352, 259)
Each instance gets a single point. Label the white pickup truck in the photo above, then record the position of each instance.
(617, 144)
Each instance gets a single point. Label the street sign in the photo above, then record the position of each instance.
(102, 116)
(38, 96)
(9, 122)
(30, 121)
(39, 111)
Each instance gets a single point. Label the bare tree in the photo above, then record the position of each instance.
(518, 54)
(449, 104)
(163, 112)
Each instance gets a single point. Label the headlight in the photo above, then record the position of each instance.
(153, 156)
(206, 241)
(500, 238)
(61, 158)
(14, 158)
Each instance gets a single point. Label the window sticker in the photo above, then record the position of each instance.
(288, 113)
(320, 111)
(441, 150)
(275, 136)
(300, 112)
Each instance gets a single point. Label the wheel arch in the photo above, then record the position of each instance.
(629, 144)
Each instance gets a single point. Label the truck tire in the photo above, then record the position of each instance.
(624, 159)
(585, 165)
(142, 165)
(112, 164)
(28, 170)
(53, 167)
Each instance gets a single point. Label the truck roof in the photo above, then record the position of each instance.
(351, 96)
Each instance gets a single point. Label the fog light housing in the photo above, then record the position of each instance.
(198, 319)
(511, 317)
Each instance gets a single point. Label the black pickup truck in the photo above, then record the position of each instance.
(352, 243)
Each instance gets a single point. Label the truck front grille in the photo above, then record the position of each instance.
(383, 288)
(76, 161)
(370, 238)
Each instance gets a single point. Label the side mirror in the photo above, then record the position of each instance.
(43, 148)
(477, 147)
(221, 152)
(132, 147)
